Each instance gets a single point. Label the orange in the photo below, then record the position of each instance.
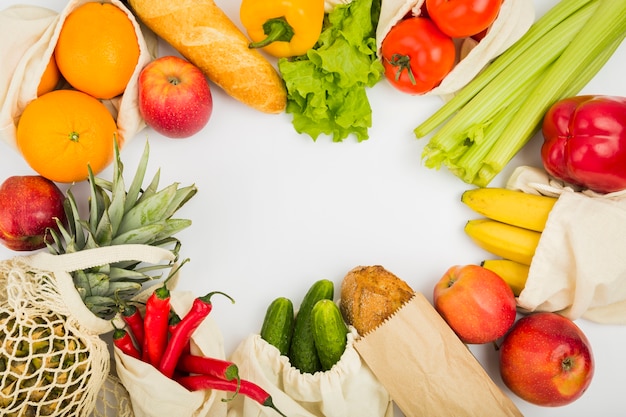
(50, 77)
(97, 50)
(63, 132)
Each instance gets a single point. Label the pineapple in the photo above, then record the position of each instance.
(120, 216)
(45, 367)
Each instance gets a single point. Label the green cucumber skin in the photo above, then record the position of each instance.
(277, 328)
(329, 332)
(303, 354)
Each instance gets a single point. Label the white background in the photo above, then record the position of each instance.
(277, 211)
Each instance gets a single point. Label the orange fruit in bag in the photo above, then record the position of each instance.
(50, 77)
(61, 133)
(97, 50)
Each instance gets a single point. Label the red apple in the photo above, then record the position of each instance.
(475, 302)
(174, 97)
(546, 360)
(28, 206)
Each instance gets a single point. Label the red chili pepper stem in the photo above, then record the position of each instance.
(134, 320)
(181, 335)
(123, 341)
(207, 298)
(247, 388)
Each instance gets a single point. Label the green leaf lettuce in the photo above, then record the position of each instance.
(327, 87)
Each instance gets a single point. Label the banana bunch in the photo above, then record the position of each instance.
(510, 229)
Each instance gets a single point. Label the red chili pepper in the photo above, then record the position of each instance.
(155, 325)
(172, 325)
(181, 336)
(134, 320)
(123, 341)
(205, 365)
(247, 388)
(173, 321)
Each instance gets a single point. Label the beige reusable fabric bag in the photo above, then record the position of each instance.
(55, 360)
(514, 19)
(29, 35)
(348, 389)
(579, 266)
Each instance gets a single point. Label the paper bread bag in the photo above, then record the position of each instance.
(426, 368)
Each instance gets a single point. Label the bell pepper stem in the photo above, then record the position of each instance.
(276, 30)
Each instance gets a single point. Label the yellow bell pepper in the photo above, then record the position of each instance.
(283, 28)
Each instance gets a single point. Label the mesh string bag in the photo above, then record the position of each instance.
(50, 365)
(53, 360)
(113, 400)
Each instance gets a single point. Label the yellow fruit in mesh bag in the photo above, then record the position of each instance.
(42, 360)
(63, 132)
(97, 50)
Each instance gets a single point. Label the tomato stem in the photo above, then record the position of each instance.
(402, 62)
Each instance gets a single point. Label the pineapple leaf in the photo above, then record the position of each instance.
(135, 186)
(117, 288)
(73, 220)
(90, 243)
(151, 189)
(104, 232)
(81, 282)
(99, 283)
(101, 306)
(116, 209)
(173, 226)
(122, 274)
(182, 196)
(149, 211)
(97, 202)
(103, 184)
(143, 234)
(56, 244)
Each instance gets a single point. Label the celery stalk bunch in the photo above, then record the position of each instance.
(483, 127)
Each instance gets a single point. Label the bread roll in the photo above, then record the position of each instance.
(370, 295)
(201, 32)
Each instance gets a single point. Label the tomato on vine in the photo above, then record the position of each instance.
(463, 18)
(417, 55)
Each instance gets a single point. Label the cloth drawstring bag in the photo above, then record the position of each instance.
(348, 389)
(579, 267)
(25, 53)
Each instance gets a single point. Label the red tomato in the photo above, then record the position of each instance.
(417, 55)
(463, 18)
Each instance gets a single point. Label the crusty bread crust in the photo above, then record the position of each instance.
(201, 32)
(370, 295)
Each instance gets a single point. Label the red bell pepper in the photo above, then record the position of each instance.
(585, 142)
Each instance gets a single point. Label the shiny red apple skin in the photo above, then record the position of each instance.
(174, 97)
(29, 205)
(546, 360)
(475, 302)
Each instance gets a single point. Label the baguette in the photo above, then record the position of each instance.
(201, 32)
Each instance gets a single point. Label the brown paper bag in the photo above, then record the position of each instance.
(426, 368)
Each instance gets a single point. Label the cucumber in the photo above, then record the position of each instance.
(303, 354)
(277, 328)
(330, 333)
